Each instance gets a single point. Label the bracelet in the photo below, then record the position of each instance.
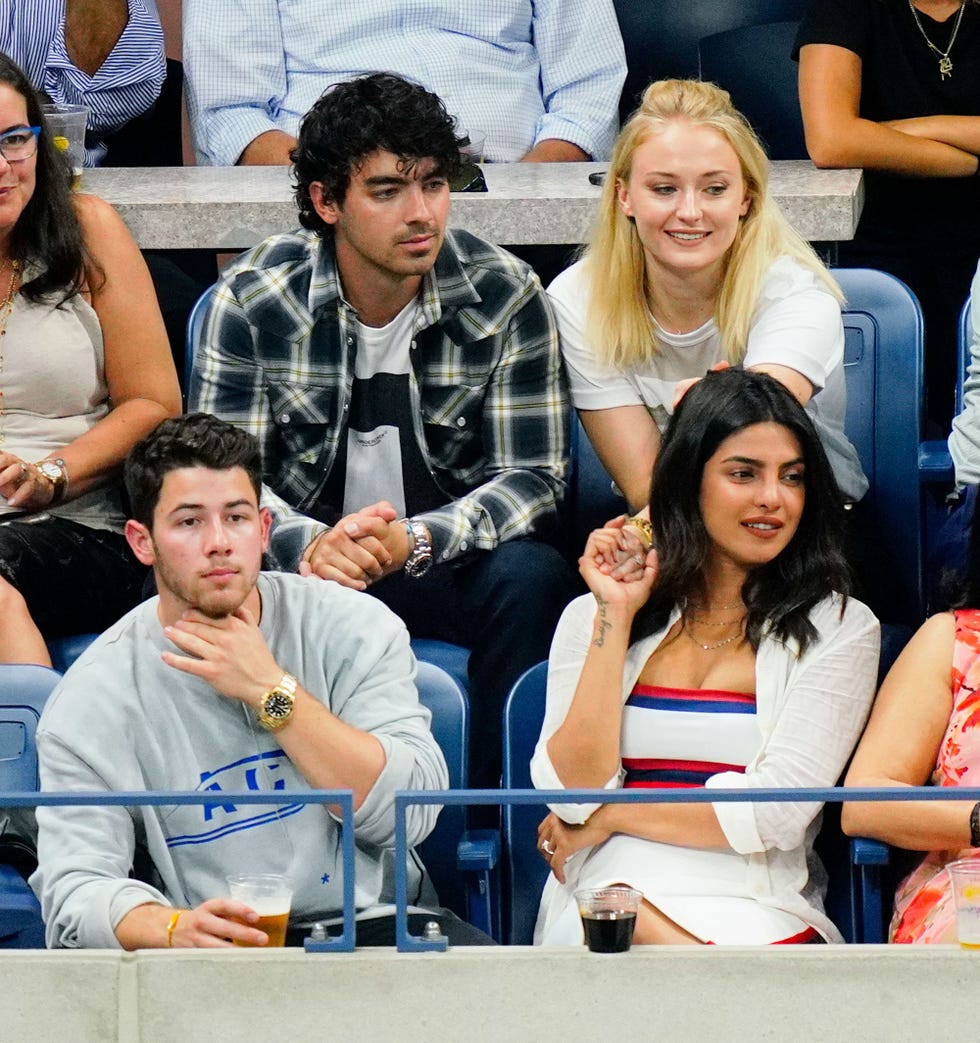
(975, 825)
(643, 524)
(170, 928)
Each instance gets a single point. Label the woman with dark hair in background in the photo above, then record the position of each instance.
(734, 660)
(925, 727)
(894, 86)
(85, 371)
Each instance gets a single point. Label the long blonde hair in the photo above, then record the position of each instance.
(618, 323)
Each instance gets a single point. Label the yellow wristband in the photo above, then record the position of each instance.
(644, 526)
(170, 928)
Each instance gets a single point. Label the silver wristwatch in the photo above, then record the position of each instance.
(419, 560)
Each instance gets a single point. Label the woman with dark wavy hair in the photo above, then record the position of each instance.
(735, 659)
(85, 371)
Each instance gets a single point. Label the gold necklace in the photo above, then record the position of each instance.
(717, 644)
(6, 307)
(945, 65)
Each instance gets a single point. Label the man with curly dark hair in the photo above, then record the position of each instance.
(405, 384)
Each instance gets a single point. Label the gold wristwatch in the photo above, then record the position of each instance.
(56, 472)
(276, 707)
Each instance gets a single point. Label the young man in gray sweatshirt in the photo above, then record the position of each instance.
(228, 679)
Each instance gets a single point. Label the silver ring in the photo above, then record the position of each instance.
(638, 558)
(547, 848)
(23, 471)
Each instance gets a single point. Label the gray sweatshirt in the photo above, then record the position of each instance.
(123, 720)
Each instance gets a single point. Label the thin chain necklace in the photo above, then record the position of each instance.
(717, 644)
(6, 307)
(945, 65)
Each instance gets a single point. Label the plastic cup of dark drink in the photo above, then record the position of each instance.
(608, 917)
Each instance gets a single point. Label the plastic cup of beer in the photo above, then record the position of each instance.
(608, 916)
(66, 125)
(964, 878)
(268, 894)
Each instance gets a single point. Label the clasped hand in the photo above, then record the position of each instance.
(360, 549)
(616, 566)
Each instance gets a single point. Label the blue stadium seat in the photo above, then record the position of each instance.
(525, 871)
(883, 352)
(24, 689)
(460, 863)
(65, 650)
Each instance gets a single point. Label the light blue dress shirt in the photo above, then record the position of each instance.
(33, 35)
(519, 71)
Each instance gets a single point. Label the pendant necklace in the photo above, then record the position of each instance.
(945, 65)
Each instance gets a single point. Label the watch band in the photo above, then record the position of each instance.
(419, 561)
(975, 825)
(276, 707)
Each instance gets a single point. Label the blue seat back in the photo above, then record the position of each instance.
(591, 498)
(525, 871)
(753, 64)
(65, 650)
(883, 352)
(195, 327)
(24, 689)
(445, 700)
(966, 336)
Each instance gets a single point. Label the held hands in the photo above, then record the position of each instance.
(558, 841)
(360, 549)
(615, 566)
(229, 653)
(22, 485)
(216, 923)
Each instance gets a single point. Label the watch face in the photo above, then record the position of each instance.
(277, 706)
(50, 471)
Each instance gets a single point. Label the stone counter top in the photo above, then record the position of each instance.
(231, 208)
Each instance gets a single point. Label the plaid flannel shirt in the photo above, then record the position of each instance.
(276, 357)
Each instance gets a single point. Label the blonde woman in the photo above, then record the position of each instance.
(692, 266)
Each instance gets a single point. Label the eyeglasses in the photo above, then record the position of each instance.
(19, 143)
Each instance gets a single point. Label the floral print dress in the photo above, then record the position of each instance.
(924, 907)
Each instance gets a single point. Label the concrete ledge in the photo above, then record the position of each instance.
(826, 993)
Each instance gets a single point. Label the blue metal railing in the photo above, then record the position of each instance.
(404, 799)
(344, 799)
(830, 795)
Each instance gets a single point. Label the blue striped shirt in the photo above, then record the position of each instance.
(127, 83)
(519, 71)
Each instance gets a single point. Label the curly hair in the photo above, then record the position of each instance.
(194, 440)
(780, 594)
(349, 121)
(47, 232)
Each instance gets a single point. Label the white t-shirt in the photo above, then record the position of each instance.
(797, 323)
